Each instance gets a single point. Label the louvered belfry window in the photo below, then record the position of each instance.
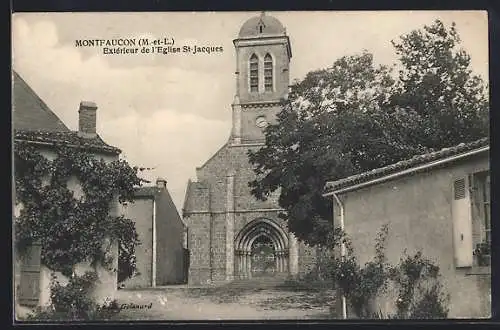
(268, 73)
(254, 73)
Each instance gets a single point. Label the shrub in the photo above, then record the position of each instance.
(432, 305)
(420, 293)
(73, 302)
(361, 284)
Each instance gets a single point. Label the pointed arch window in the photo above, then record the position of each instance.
(254, 73)
(268, 73)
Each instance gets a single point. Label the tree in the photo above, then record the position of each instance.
(354, 116)
(321, 135)
(437, 82)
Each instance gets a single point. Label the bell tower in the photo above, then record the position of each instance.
(263, 53)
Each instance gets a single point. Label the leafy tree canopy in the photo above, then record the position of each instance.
(355, 116)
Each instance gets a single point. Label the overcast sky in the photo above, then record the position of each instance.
(173, 112)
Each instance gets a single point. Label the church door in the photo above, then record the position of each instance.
(263, 257)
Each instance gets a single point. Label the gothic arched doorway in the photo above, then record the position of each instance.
(263, 256)
(261, 249)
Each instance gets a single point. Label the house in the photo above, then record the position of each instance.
(36, 124)
(162, 257)
(438, 203)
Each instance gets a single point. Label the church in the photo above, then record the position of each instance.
(231, 234)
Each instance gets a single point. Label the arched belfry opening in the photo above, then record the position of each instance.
(261, 249)
(254, 73)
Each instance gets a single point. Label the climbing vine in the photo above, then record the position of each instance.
(72, 227)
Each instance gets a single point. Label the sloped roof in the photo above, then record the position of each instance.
(190, 193)
(221, 149)
(462, 148)
(34, 122)
(30, 112)
(68, 138)
(154, 192)
(150, 191)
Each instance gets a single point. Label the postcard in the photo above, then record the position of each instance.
(291, 165)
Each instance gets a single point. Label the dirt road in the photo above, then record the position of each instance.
(224, 303)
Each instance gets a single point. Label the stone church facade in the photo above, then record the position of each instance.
(231, 234)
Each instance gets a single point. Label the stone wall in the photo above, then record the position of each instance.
(199, 248)
(218, 247)
(281, 74)
(249, 130)
(207, 225)
(213, 174)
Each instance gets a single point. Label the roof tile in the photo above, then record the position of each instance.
(405, 164)
(35, 122)
(149, 191)
(69, 138)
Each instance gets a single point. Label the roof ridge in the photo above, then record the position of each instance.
(63, 137)
(406, 163)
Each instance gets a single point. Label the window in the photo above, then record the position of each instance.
(254, 73)
(487, 209)
(260, 26)
(481, 217)
(268, 73)
(471, 220)
(185, 239)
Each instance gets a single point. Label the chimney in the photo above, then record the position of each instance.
(161, 183)
(87, 115)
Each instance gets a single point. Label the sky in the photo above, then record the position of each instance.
(173, 112)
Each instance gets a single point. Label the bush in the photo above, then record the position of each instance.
(420, 294)
(73, 302)
(431, 306)
(361, 284)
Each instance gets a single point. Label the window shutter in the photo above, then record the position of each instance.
(462, 222)
(29, 290)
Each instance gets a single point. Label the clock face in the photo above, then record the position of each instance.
(261, 122)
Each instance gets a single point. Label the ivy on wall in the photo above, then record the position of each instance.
(71, 228)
